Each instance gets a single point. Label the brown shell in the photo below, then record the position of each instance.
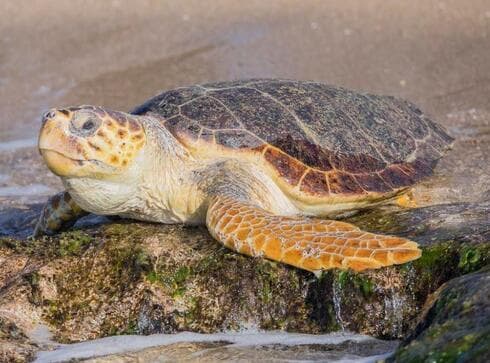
(319, 138)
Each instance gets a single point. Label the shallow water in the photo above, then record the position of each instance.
(236, 346)
(118, 54)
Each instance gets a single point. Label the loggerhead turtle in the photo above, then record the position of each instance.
(254, 160)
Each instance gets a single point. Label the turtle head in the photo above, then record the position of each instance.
(89, 141)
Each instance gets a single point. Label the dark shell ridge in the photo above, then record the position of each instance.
(321, 138)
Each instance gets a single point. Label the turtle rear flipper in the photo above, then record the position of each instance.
(310, 244)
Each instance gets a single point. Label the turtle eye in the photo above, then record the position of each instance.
(88, 125)
(84, 124)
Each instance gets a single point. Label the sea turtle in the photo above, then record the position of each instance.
(255, 160)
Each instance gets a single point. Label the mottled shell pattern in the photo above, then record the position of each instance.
(318, 140)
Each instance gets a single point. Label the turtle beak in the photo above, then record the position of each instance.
(60, 164)
(61, 152)
(54, 133)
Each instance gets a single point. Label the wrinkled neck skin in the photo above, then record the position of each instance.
(159, 186)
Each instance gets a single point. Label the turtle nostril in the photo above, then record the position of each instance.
(48, 115)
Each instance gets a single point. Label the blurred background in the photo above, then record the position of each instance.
(119, 53)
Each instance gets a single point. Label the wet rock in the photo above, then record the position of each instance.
(454, 239)
(127, 277)
(14, 344)
(224, 351)
(244, 346)
(455, 325)
(458, 222)
(143, 278)
(18, 222)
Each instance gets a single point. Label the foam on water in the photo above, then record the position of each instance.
(131, 343)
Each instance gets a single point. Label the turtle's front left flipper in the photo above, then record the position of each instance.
(310, 244)
(60, 212)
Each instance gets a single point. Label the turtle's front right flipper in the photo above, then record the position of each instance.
(308, 243)
(60, 212)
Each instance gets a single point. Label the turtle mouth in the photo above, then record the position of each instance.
(63, 165)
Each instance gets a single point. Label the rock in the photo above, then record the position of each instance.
(128, 277)
(454, 239)
(455, 325)
(14, 344)
(226, 351)
(458, 222)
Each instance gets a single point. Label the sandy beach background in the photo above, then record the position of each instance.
(119, 53)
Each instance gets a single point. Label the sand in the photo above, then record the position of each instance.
(118, 53)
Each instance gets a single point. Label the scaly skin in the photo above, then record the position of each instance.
(60, 212)
(310, 244)
(114, 163)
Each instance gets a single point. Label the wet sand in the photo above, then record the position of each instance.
(117, 54)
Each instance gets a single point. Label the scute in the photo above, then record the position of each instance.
(259, 114)
(237, 139)
(210, 113)
(288, 168)
(168, 103)
(315, 182)
(320, 139)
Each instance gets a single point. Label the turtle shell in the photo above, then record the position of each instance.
(318, 139)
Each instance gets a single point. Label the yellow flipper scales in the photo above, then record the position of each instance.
(310, 244)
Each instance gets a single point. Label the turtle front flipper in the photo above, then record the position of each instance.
(60, 212)
(310, 244)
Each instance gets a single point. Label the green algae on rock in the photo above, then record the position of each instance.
(144, 278)
(454, 239)
(126, 277)
(456, 324)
